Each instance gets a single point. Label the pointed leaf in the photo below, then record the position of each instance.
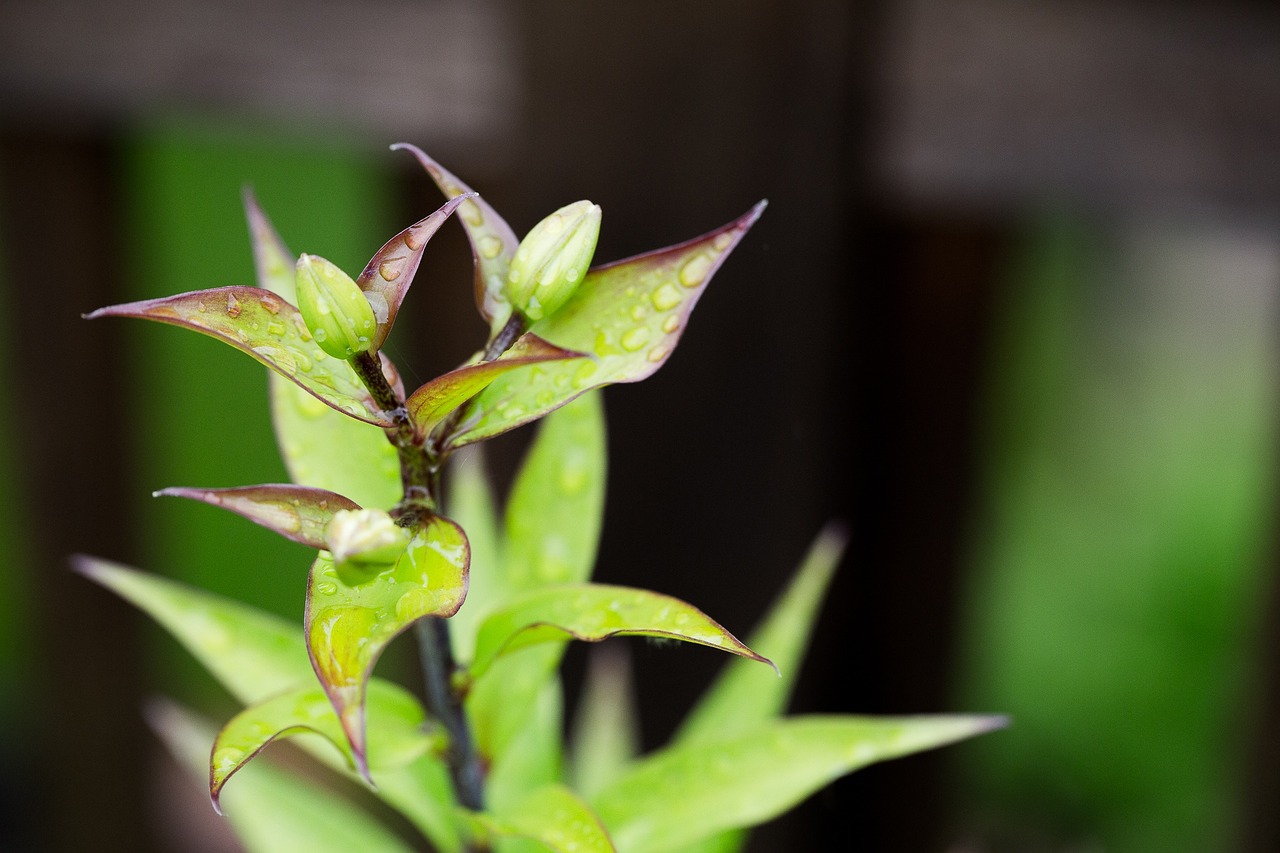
(555, 817)
(396, 737)
(272, 811)
(259, 323)
(493, 243)
(743, 695)
(349, 621)
(272, 260)
(681, 794)
(629, 314)
(470, 502)
(436, 400)
(606, 732)
(594, 612)
(300, 513)
(387, 276)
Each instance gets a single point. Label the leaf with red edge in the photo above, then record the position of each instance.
(260, 323)
(300, 513)
(493, 243)
(387, 276)
(594, 612)
(440, 397)
(349, 620)
(629, 315)
(396, 739)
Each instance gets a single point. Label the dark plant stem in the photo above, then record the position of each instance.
(438, 668)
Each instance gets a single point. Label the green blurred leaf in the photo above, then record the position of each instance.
(595, 612)
(685, 793)
(272, 811)
(273, 262)
(745, 694)
(606, 732)
(532, 756)
(555, 817)
(493, 243)
(261, 324)
(396, 734)
(350, 620)
(629, 314)
(438, 399)
(386, 278)
(300, 513)
(469, 500)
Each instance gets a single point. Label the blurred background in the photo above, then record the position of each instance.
(1011, 314)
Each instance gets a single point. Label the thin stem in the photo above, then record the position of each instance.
(445, 704)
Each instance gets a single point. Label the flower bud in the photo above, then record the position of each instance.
(333, 307)
(365, 539)
(552, 259)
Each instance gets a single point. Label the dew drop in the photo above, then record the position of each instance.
(635, 338)
(227, 758)
(490, 247)
(233, 306)
(666, 297)
(390, 269)
(695, 270)
(326, 587)
(671, 324)
(201, 307)
(276, 328)
(722, 241)
(470, 213)
(321, 334)
(413, 239)
(583, 375)
(638, 312)
(271, 305)
(657, 354)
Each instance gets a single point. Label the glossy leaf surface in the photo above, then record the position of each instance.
(350, 620)
(272, 811)
(555, 817)
(396, 734)
(386, 278)
(300, 513)
(679, 795)
(438, 399)
(264, 326)
(594, 612)
(493, 243)
(629, 315)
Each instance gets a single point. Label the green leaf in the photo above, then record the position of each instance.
(682, 794)
(493, 243)
(595, 612)
(396, 735)
(532, 756)
(606, 732)
(469, 500)
(272, 260)
(261, 324)
(629, 314)
(350, 619)
(272, 811)
(556, 505)
(744, 695)
(300, 513)
(555, 817)
(387, 276)
(438, 399)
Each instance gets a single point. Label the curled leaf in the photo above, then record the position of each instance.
(349, 624)
(300, 513)
(594, 612)
(259, 323)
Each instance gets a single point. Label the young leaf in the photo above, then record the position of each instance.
(437, 399)
(387, 276)
(259, 323)
(743, 695)
(554, 816)
(272, 260)
(606, 732)
(299, 513)
(629, 314)
(493, 243)
(396, 737)
(349, 621)
(272, 811)
(682, 794)
(595, 612)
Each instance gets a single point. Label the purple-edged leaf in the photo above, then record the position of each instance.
(272, 259)
(629, 315)
(493, 243)
(348, 624)
(555, 817)
(594, 612)
(258, 322)
(387, 276)
(396, 738)
(436, 400)
(300, 513)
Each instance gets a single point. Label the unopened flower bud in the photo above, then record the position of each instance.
(552, 260)
(333, 307)
(365, 539)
